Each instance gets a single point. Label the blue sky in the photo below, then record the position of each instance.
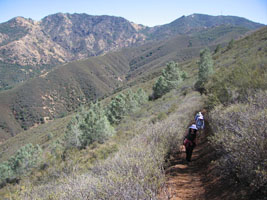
(146, 12)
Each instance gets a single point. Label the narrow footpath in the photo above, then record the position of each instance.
(184, 181)
(196, 180)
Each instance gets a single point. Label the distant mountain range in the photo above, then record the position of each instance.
(61, 37)
(34, 59)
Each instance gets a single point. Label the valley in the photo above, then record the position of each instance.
(54, 69)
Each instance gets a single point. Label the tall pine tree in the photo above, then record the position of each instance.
(170, 79)
(205, 69)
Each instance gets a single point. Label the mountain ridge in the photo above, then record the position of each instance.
(63, 37)
(52, 91)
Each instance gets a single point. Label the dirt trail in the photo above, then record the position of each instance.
(200, 179)
(188, 181)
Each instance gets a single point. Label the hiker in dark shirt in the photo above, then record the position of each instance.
(190, 141)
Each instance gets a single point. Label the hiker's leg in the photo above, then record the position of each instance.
(190, 151)
(187, 153)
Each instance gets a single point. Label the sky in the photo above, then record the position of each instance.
(146, 12)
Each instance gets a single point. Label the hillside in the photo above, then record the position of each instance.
(62, 90)
(145, 140)
(61, 37)
(29, 48)
(198, 22)
(47, 97)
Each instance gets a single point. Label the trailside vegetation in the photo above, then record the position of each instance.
(21, 164)
(95, 124)
(124, 104)
(240, 138)
(205, 69)
(88, 126)
(135, 171)
(170, 79)
(236, 98)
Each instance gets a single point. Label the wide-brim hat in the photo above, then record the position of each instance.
(193, 126)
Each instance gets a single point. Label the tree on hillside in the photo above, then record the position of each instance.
(124, 104)
(218, 48)
(230, 44)
(160, 88)
(95, 126)
(73, 133)
(26, 158)
(116, 109)
(5, 173)
(131, 102)
(140, 96)
(205, 67)
(88, 126)
(170, 79)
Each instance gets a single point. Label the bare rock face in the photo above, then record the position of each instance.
(64, 37)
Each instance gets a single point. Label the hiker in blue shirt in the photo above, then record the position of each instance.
(197, 116)
(200, 122)
(190, 141)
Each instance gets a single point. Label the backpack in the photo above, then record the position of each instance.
(200, 123)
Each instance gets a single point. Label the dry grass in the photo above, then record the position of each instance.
(134, 172)
(240, 140)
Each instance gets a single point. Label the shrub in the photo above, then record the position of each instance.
(88, 127)
(134, 172)
(230, 44)
(5, 173)
(160, 88)
(217, 49)
(95, 126)
(229, 85)
(205, 70)
(116, 109)
(240, 138)
(21, 164)
(124, 104)
(170, 79)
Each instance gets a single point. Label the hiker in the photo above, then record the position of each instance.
(190, 141)
(199, 119)
(198, 115)
(200, 122)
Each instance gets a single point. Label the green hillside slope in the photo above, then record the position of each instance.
(151, 132)
(55, 93)
(29, 48)
(199, 22)
(62, 90)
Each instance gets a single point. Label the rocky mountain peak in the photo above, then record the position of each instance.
(64, 37)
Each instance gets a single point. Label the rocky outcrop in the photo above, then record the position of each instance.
(64, 37)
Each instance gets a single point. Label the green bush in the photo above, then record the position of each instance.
(217, 49)
(124, 104)
(95, 126)
(205, 70)
(170, 79)
(160, 88)
(230, 44)
(240, 139)
(88, 127)
(135, 171)
(117, 109)
(21, 164)
(5, 173)
(229, 85)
